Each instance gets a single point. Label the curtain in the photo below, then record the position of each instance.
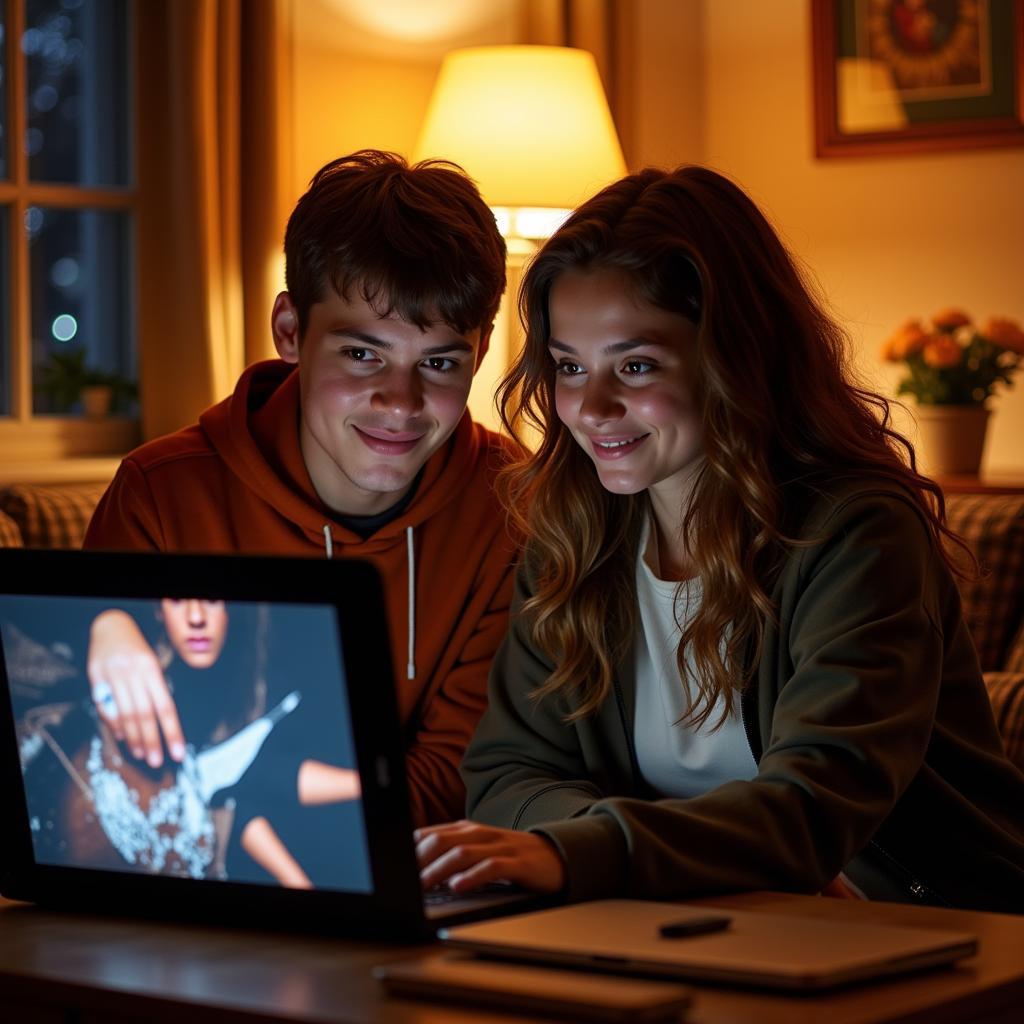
(213, 148)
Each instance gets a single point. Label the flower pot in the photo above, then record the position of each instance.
(951, 438)
(96, 400)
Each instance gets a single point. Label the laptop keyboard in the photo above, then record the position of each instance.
(442, 895)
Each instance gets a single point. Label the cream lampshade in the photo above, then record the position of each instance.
(530, 124)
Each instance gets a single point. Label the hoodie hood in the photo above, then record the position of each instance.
(256, 433)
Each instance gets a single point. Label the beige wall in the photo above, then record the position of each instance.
(888, 237)
(364, 69)
(662, 66)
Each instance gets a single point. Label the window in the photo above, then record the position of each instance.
(68, 206)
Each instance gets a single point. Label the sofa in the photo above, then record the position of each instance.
(993, 527)
(35, 515)
(47, 515)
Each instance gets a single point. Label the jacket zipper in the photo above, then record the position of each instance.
(634, 764)
(745, 703)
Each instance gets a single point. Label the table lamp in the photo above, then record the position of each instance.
(531, 125)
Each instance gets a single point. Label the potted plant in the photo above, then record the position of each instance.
(952, 367)
(65, 379)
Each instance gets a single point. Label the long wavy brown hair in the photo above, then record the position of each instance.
(782, 418)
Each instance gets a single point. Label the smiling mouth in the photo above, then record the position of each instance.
(617, 444)
(385, 442)
(616, 447)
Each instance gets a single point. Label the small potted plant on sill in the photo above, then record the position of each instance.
(65, 380)
(953, 367)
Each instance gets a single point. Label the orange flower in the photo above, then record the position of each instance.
(941, 352)
(950, 319)
(1005, 333)
(909, 338)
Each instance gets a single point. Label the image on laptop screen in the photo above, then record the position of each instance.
(267, 790)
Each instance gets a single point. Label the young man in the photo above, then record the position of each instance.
(355, 443)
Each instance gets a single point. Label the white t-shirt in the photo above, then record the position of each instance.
(676, 759)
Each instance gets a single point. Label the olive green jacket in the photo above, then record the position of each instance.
(876, 746)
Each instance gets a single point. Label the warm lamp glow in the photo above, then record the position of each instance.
(413, 19)
(530, 124)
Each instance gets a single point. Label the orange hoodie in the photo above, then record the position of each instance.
(237, 482)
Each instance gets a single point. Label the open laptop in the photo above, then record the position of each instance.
(290, 805)
(767, 950)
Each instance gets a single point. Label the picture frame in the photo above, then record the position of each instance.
(893, 77)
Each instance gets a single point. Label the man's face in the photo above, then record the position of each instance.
(379, 396)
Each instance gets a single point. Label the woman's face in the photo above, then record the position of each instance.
(623, 385)
(197, 629)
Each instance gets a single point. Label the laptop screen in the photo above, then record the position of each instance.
(266, 788)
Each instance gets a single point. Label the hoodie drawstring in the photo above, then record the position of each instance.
(410, 555)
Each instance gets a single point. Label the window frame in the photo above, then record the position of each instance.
(24, 436)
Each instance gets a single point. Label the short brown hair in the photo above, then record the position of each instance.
(414, 240)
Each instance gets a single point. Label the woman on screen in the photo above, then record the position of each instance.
(110, 809)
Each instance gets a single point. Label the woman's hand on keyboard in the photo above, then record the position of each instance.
(466, 856)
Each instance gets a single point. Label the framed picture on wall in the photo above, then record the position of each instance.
(907, 76)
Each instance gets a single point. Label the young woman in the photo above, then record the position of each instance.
(738, 659)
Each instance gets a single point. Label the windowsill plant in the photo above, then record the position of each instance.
(68, 383)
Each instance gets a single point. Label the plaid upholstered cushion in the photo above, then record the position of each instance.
(51, 516)
(1006, 691)
(1015, 655)
(10, 535)
(993, 527)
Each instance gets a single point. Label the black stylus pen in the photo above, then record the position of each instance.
(694, 926)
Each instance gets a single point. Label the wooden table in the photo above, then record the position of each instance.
(87, 970)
